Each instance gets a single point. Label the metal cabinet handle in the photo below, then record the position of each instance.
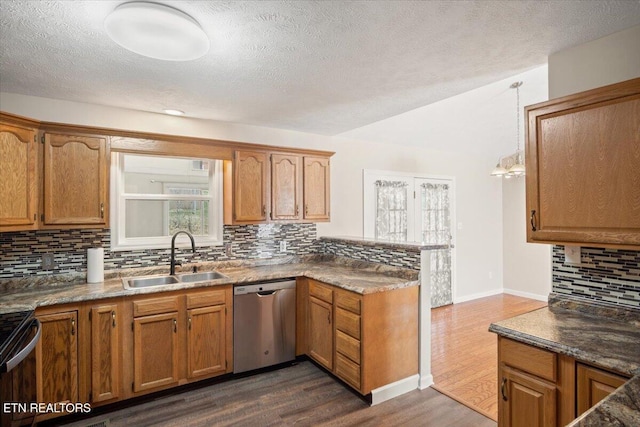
(113, 318)
(175, 326)
(329, 317)
(264, 210)
(189, 322)
(306, 210)
(533, 220)
(297, 210)
(73, 326)
(502, 389)
(101, 210)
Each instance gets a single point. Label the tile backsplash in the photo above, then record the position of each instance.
(21, 252)
(605, 275)
(381, 254)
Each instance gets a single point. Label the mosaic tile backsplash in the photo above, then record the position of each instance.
(605, 275)
(21, 252)
(406, 258)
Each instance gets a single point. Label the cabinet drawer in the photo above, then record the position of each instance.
(348, 322)
(206, 299)
(348, 301)
(533, 360)
(348, 371)
(348, 346)
(319, 291)
(155, 306)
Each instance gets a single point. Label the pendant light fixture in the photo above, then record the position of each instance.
(512, 165)
(157, 31)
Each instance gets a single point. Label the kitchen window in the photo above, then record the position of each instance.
(153, 197)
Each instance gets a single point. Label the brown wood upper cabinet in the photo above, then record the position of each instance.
(583, 168)
(18, 178)
(286, 186)
(250, 180)
(316, 188)
(75, 181)
(275, 186)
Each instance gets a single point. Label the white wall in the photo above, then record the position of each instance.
(527, 266)
(611, 59)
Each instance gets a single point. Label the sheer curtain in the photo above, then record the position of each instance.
(391, 210)
(436, 229)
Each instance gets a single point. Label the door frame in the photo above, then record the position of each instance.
(369, 176)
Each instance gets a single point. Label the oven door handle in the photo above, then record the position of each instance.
(15, 360)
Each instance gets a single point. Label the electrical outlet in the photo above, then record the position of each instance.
(572, 255)
(227, 249)
(283, 246)
(48, 262)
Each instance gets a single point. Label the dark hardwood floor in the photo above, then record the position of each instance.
(300, 395)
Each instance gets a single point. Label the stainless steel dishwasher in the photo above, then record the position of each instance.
(264, 324)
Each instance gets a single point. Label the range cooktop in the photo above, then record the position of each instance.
(15, 329)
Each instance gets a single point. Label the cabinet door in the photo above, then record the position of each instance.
(105, 349)
(594, 385)
(583, 168)
(316, 188)
(75, 180)
(206, 341)
(18, 178)
(57, 358)
(321, 332)
(525, 400)
(250, 186)
(155, 351)
(286, 177)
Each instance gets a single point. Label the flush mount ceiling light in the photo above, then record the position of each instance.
(156, 31)
(174, 112)
(512, 165)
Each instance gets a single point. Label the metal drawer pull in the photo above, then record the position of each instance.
(113, 318)
(175, 326)
(73, 326)
(502, 389)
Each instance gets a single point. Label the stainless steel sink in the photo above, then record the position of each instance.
(201, 277)
(150, 281)
(143, 282)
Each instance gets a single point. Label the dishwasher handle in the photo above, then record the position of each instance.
(266, 293)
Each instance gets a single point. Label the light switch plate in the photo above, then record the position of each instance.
(572, 255)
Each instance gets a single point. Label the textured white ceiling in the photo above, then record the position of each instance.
(317, 66)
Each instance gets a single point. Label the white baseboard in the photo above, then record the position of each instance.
(527, 295)
(395, 389)
(425, 381)
(478, 295)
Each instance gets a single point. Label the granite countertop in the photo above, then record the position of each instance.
(357, 276)
(599, 335)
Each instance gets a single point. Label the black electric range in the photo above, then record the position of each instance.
(16, 337)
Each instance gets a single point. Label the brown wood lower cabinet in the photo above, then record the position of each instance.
(57, 358)
(105, 352)
(207, 338)
(541, 388)
(594, 385)
(155, 351)
(357, 336)
(528, 400)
